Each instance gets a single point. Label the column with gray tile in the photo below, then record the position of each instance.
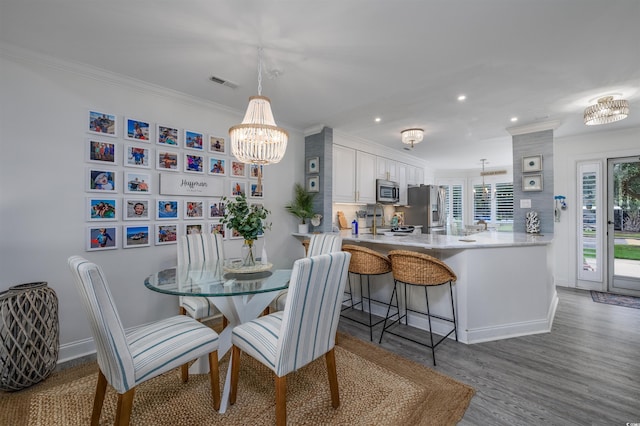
(320, 145)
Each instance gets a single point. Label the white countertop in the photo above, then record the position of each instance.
(485, 239)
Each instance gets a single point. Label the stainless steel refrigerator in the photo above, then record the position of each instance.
(426, 207)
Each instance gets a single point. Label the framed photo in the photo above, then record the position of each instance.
(135, 156)
(193, 163)
(166, 234)
(137, 183)
(232, 234)
(102, 209)
(136, 236)
(102, 123)
(167, 209)
(532, 163)
(101, 180)
(167, 161)
(532, 183)
(216, 144)
(313, 184)
(193, 140)
(216, 209)
(167, 136)
(238, 188)
(256, 190)
(256, 171)
(313, 165)
(135, 209)
(238, 169)
(101, 152)
(193, 209)
(102, 238)
(217, 228)
(137, 130)
(195, 228)
(216, 166)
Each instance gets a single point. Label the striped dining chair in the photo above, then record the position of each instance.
(127, 359)
(199, 248)
(318, 244)
(286, 341)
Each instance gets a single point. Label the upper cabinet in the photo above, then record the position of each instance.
(354, 176)
(386, 169)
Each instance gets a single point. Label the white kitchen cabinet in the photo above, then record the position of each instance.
(354, 176)
(411, 175)
(419, 176)
(386, 169)
(344, 174)
(365, 177)
(402, 183)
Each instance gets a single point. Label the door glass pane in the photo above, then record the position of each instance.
(504, 205)
(589, 231)
(482, 203)
(626, 223)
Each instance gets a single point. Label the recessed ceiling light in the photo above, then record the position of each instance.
(462, 98)
(514, 119)
(378, 119)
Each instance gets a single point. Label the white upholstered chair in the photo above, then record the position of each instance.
(127, 359)
(318, 244)
(288, 340)
(199, 248)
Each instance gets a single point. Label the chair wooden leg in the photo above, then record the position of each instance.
(214, 377)
(266, 311)
(281, 401)
(330, 357)
(123, 410)
(184, 372)
(235, 371)
(225, 321)
(183, 311)
(101, 389)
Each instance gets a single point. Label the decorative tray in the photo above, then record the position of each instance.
(258, 267)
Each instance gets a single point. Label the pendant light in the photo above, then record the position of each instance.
(258, 140)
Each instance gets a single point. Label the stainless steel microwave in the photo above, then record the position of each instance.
(387, 192)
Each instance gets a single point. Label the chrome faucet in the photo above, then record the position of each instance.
(374, 227)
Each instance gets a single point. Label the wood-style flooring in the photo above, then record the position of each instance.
(586, 371)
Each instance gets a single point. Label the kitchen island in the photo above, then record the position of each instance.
(504, 287)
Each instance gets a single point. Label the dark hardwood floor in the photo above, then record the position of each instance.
(585, 372)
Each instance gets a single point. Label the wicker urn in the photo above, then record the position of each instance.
(29, 334)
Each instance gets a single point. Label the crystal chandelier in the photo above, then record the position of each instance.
(258, 140)
(607, 110)
(412, 136)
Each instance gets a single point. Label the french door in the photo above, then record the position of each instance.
(623, 225)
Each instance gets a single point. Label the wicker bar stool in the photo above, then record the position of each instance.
(365, 262)
(418, 269)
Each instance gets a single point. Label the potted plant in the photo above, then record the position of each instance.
(302, 207)
(246, 220)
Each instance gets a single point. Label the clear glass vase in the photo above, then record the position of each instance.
(248, 258)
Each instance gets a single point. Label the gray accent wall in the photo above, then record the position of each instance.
(536, 143)
(321, 145)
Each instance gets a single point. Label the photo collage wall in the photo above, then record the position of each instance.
(122, 203)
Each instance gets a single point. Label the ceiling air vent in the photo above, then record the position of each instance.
(223, 82)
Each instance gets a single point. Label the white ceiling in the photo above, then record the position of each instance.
(342, 63)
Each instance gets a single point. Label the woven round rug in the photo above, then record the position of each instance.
(376, 388)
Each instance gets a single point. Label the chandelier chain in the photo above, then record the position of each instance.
(259, 71)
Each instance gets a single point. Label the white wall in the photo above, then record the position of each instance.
(44, 105)
(597, 146)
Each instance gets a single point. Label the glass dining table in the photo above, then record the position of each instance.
(240, 295)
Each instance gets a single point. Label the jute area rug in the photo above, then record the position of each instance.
(376, 388)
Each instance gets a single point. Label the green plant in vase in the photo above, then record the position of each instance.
(247, 220)
(301, 206)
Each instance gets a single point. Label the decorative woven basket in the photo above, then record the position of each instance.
(418, 268)
(366, 261)
(29, 333)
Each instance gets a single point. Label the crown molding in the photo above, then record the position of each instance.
(534, 127)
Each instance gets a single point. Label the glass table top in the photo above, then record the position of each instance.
(210, 280)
